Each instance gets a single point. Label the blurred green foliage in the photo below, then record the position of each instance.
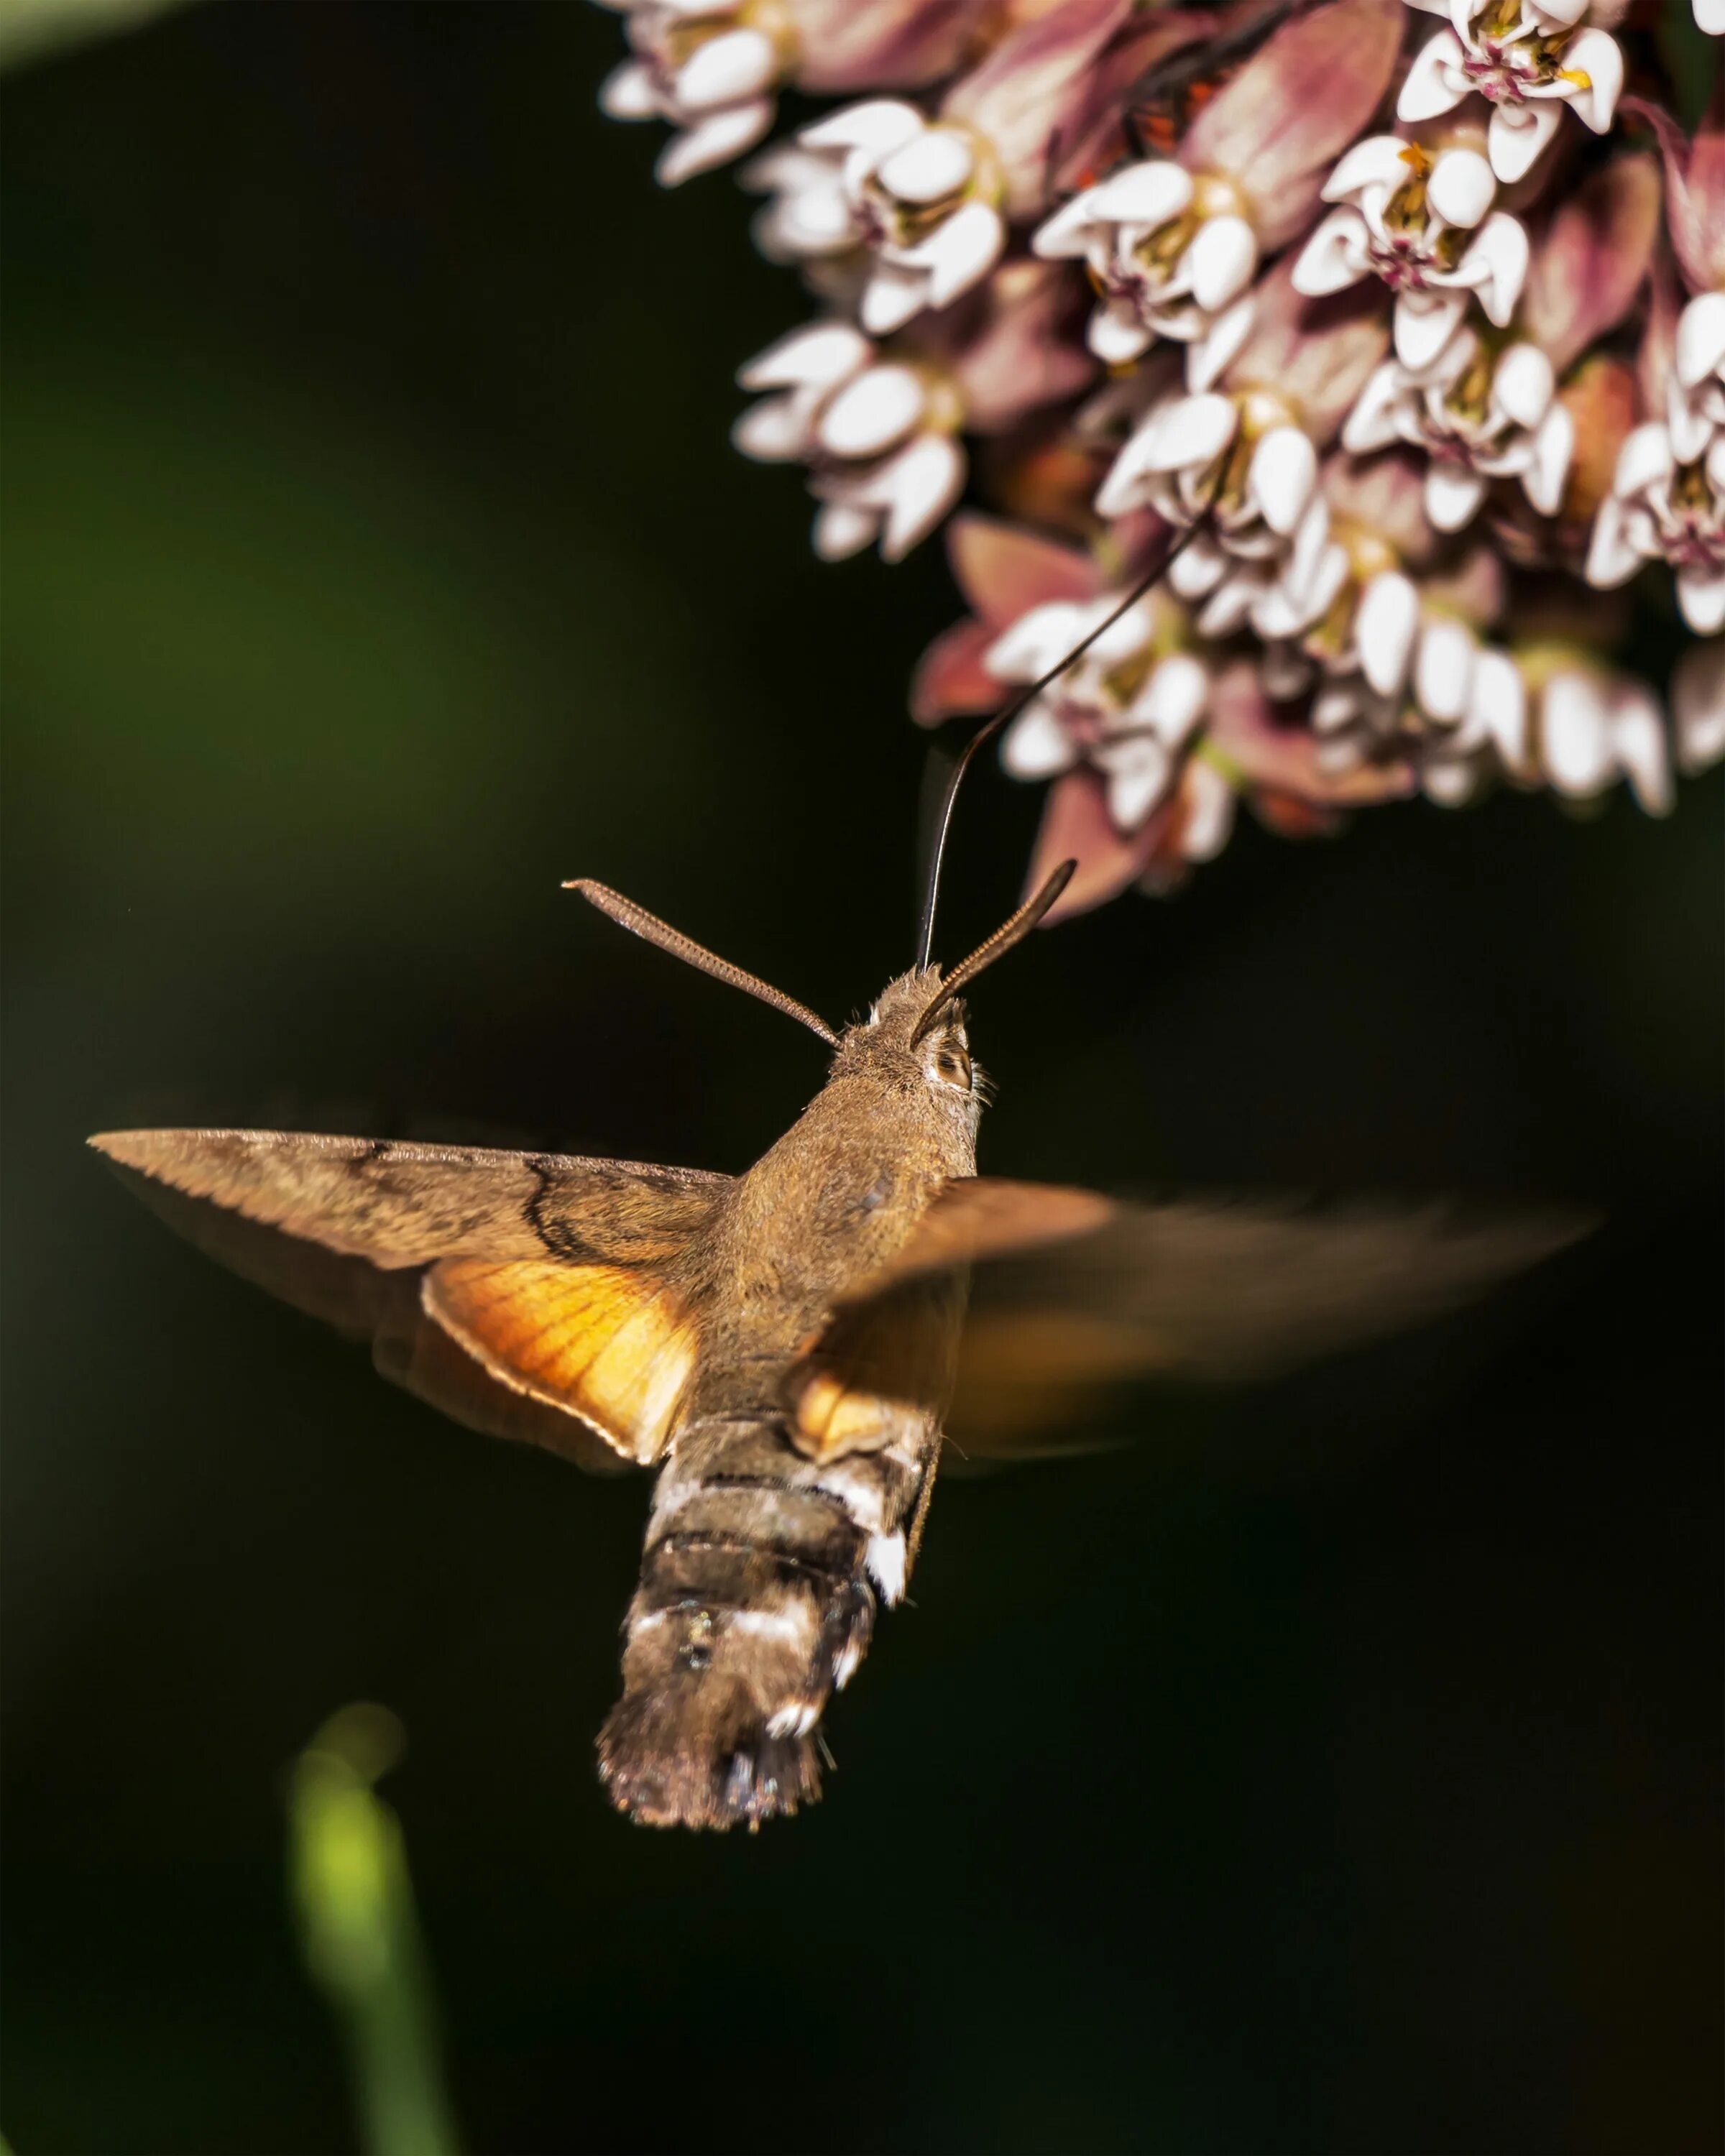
(354, 1903)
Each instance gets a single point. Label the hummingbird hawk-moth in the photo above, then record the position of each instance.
(788, 1347)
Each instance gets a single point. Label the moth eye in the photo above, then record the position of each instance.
(952, 1064)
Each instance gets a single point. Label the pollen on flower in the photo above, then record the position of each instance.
(1316, 297)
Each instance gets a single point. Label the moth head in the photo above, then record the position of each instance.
(918, 1024)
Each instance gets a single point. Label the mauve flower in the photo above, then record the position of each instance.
(1244, 461)
(1170, 256)
(1479, 414)
(1661, 509)
(1528, 61)
(1425, 225)
(1419, 676)
(710, 68)
(1171, 244)
(713, 67)
(1129, 706)
(920, 202)
(920, 197)
(878, 435)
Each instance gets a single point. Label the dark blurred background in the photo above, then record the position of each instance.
(1336, 1769)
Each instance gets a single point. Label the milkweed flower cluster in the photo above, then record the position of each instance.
(1405, 319)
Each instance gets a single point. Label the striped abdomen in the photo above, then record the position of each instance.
(757, 1596)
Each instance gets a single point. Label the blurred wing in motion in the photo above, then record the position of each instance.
(985, 1216)
(1212, 1291)
(346, 1229)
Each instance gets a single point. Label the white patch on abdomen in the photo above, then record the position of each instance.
(794, 1624)
(885, 1558)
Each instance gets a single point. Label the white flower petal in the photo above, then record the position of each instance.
(892, 296)
(1147, 194)
(927, 479)
(1453, 496)
(841, 529)
(869, 415)
(1116, 335)
(1030, 645)
(1639, 748)
(1207, 800)
(878, 124)
(1230, 606)
(1432, 85)
(1523, 384)
(1071, 231)
(1126, 483)
(1595, 55)
(1701, 599)
(1334, 257)
(1220, 261)
(1139, 774)
(1198, 568)
(627, 93)
(1371, 424)
(738, 64)
(1643, 458)
(1495, 265)
(1576, 749)
(1307, 568)
(1517, 136)
(1699, 708)
(1700, 339)
(1424, 323)
(1443, 669)
(1449, 785)
(1461, 188)
(962, 249)
(1191, 432)
(1211, 353)
(1710, 17)
(1612, 558)
(818, 355)
(1381, 161)
(714, 140)
(1036, 745)
(1174, 701)
(774, 431)
(807, 221)
(1497, 703)
(927, 167)
(1385, 623)
(1281, 476)
(1553, 445)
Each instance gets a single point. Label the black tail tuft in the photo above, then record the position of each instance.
(701, 1761)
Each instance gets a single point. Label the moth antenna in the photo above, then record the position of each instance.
(636, 918)
(990, 727)
(998, 945)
